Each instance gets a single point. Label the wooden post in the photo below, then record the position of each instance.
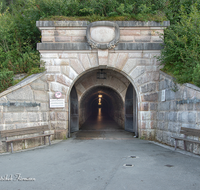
(184, 142)
(175, 144)
(11, 146)
(49, 140)
(184, 145)
(44, 140)
(6, 144)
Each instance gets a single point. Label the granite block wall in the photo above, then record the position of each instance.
(178, 109)
(25, 105)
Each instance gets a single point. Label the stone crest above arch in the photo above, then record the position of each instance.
(103, 34)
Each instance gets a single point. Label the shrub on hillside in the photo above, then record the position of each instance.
(6, 79)
(18, 38)
(182, 46)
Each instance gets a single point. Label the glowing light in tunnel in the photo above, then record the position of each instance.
(100, 96)
(99, 118)
(99, 113)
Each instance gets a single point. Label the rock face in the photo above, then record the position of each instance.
(71, 60)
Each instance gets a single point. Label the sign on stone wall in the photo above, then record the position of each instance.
(57, 103)
(163, 96)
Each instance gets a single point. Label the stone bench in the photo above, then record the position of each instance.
(187, 132)
(12, 135)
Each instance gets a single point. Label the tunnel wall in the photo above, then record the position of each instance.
(118, 117)
(118, 113)
(83, 116)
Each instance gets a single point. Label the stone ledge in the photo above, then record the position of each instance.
(191, 86)
(63, 46)
(166, 75)
(139, 46)
(140, 23)
(85, 46)
(23, 83)
(85, 23)
(61, 23)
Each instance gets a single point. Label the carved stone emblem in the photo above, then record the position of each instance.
(103, 34)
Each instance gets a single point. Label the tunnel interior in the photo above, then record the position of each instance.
(101, 103)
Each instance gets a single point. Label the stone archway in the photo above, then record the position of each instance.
(114, 90)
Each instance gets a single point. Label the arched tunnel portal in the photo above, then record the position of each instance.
(103, 104)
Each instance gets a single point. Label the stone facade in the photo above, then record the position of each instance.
(134, 58)
(71, 61)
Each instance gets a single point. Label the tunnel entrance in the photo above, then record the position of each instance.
(108, 104)
(101, 108)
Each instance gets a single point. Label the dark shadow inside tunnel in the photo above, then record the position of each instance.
(101, 108)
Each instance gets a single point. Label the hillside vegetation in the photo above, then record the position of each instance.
(19, 34)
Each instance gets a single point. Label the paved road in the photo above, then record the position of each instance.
(99, 164)
(100, 121)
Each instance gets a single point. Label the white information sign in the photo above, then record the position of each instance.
(57, 103)
(163, 96)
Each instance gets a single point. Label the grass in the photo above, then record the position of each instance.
(160, 17)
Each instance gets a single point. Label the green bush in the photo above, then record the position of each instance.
(173, 9)
(35, 70)
(182, 46)
(18, 38)
(6, 79)
(196, 75)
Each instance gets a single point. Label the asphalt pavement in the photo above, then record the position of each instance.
(100, 164)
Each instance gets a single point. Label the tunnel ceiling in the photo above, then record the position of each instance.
(114, 80)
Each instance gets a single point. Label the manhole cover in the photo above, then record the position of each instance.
(128, 165)
(168, 165)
